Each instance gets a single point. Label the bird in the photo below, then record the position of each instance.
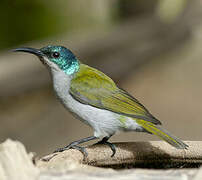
(96, 100)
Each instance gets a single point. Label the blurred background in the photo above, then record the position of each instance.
(152, 49)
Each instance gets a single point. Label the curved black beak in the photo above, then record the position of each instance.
(34, 51)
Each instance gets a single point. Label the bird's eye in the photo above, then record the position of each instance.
(56, 54)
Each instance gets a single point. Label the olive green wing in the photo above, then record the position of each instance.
(92, 87)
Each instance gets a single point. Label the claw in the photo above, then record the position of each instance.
(74, 144)
(112, 146)
(81, 149)
(63, 149)
(59, 150)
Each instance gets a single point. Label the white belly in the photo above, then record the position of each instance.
(104, 123)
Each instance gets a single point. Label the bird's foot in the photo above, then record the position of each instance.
(71, 146)
(111, 145)
(74, 145)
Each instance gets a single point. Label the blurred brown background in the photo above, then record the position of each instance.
(153, 49)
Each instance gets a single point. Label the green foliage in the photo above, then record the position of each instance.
(170, 10)
(23, 21)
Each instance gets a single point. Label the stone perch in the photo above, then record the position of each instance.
(16, 164)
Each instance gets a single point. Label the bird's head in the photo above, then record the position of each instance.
(55, 57)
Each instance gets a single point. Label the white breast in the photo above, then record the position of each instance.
(104, 123)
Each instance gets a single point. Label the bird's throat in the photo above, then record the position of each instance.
(72, 68)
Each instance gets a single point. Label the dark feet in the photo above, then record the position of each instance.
(71, 146)
(105, 142)
(74, 145)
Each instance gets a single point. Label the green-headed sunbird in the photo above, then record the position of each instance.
(96, 99)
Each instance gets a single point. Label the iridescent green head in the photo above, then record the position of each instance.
(56, 57)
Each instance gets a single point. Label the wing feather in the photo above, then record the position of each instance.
(92, 87)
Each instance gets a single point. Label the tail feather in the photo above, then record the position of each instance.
(163, 134)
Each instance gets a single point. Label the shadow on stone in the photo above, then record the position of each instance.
(150, 155)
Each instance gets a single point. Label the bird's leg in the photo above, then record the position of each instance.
(105, 142)
(74, 145)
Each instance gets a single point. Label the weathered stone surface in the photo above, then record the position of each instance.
(16, 164)
(138, 174)
(152, 154)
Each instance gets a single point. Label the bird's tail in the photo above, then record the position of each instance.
(163, 134)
